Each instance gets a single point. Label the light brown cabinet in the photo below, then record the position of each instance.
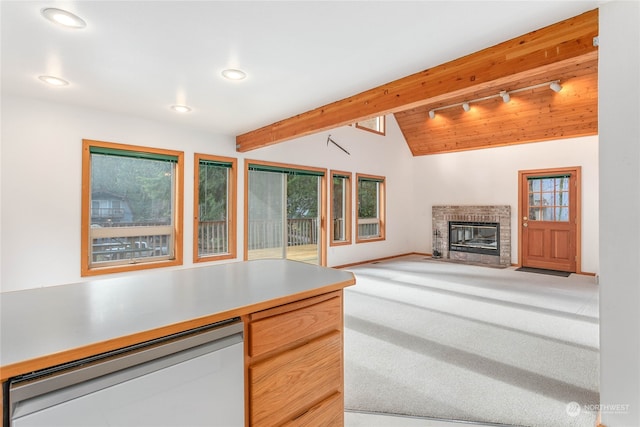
(292, 312)
(294, 364)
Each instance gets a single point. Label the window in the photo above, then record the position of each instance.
(371, 208)
(374, 124)
(549, 198)
(131, 207)
(285, 208)
(214, 208)
(340, 208)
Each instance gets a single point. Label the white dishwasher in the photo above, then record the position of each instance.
(195, 378)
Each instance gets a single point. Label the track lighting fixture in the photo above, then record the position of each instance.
(555, 86)
(505, 95)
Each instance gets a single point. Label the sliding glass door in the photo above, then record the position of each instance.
(266, 215)
(284, 207)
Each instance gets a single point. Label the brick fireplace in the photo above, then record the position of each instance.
(475, 234)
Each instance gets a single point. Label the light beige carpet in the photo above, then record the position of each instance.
(437, 339)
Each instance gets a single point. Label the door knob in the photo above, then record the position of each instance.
(525, 224)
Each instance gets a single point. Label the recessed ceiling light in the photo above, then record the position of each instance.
(180, 108)
(64, 18)
(53, 81)
(233, 74)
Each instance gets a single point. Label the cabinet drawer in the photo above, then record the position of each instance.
(328, 413)
(306, 320)
(287, 384)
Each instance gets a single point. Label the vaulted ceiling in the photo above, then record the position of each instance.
(566, 52)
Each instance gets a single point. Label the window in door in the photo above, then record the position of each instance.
(284, 212)
(214, 208)
(370, 194)
(131, 207)
(340, 208)
(549, 198)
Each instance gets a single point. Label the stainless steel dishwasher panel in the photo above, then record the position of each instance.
(195, 379)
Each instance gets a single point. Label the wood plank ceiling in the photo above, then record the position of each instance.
(564, 51)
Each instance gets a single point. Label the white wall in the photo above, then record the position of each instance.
(41, 174)
(387, 156)
(41, 178)
(490, 177)
(619, 123)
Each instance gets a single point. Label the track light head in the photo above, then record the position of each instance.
(465, 106)
(555, 86)
(432, 114)
(505, 96)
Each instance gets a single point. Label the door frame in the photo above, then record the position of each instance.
(575, 171)
(322, 226)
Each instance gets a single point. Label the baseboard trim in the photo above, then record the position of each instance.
(353, 264)
(378, 260)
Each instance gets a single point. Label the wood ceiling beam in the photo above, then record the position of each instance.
(559, 42)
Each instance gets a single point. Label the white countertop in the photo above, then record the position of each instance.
(39, 322)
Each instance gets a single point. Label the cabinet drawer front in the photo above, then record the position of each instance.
(291, 382)
(283, 329)
(328, 413)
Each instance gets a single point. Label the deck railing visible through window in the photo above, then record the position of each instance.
(368, 228)
(268, 234)
(212, 237)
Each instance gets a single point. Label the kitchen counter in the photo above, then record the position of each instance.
(47, 326)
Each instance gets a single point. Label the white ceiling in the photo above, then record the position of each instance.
(140, 57)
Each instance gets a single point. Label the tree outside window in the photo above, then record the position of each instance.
(340, 208)
(214, 208)
(371, 208)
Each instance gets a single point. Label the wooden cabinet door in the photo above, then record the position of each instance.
(287, 384)
(295, 364)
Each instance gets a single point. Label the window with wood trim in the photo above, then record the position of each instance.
(340, 208)
(131, 207)
(370, 196)
(374, 124)
(214, 208)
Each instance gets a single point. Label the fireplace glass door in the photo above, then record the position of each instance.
(478, 237)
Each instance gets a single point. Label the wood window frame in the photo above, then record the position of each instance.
(86, 269)
(382, 120)
(347, 208)
(381, 207)
(232, 212)
(322, 232)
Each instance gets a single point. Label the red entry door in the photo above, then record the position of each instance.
(549, 218)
